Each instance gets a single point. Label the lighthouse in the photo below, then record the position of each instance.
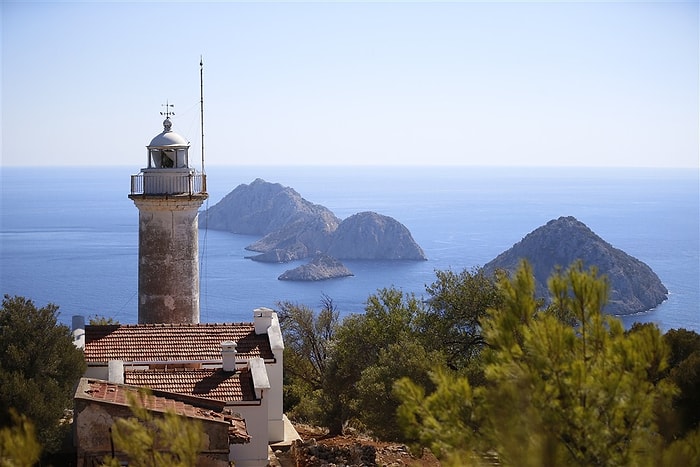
(168, 194)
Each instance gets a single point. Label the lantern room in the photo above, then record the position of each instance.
(168, 150)
(168, 172)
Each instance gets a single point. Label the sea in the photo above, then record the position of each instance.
(69, 235)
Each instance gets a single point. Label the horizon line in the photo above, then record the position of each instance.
(401, 166)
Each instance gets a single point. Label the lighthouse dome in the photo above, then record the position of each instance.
(168, 138)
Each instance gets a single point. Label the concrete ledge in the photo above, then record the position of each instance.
(290, 435)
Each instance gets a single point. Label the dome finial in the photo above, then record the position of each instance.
(167, 124)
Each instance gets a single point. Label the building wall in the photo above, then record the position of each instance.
(93, 420)
(97, 372)
(255, 453)
(276, 376)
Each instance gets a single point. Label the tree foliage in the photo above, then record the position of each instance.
(153, 441)
(555, 394)
(18, 444)
(336, 373)
(308, 336)
(445, 421)
(38, 369)
(375, 404)
(98, 320)
(586, 389)
(457, 303)
(684, 372)
(364, 345)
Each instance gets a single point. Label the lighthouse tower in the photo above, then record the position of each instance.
(168, 194)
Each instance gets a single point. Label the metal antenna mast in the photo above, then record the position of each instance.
(201, 103)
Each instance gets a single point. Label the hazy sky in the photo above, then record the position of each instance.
(468, 83)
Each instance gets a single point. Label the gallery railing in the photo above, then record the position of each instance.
(164, 183)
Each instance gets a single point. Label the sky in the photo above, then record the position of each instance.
(354, 83)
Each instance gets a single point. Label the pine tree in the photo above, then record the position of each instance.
(18, 444)
(556, 394)
(38, 368)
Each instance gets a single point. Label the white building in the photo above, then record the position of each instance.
(238, 363)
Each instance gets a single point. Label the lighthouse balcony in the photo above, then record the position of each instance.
(161, 182)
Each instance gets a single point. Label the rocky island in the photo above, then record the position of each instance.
(634, 287)
(368, 235)
(320, 268)
(292, 228)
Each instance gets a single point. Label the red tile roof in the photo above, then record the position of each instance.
(206, 383)
(172, 342)
(110, 393)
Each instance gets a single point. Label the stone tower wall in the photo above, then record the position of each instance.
(168, 259)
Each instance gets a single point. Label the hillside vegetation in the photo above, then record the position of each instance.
(484, 371)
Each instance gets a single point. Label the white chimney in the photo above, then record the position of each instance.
(115, 369)
(263, 319)
(228, 355)
(78, 331)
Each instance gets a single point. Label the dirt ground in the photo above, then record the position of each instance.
(387, 454)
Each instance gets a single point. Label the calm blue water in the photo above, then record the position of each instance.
(69, 235)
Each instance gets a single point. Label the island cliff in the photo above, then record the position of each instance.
(369, 235)
(634, 287)
(293, 228)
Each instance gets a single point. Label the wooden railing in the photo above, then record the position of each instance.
(164, 183)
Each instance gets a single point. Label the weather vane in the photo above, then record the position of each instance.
(167, 112)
